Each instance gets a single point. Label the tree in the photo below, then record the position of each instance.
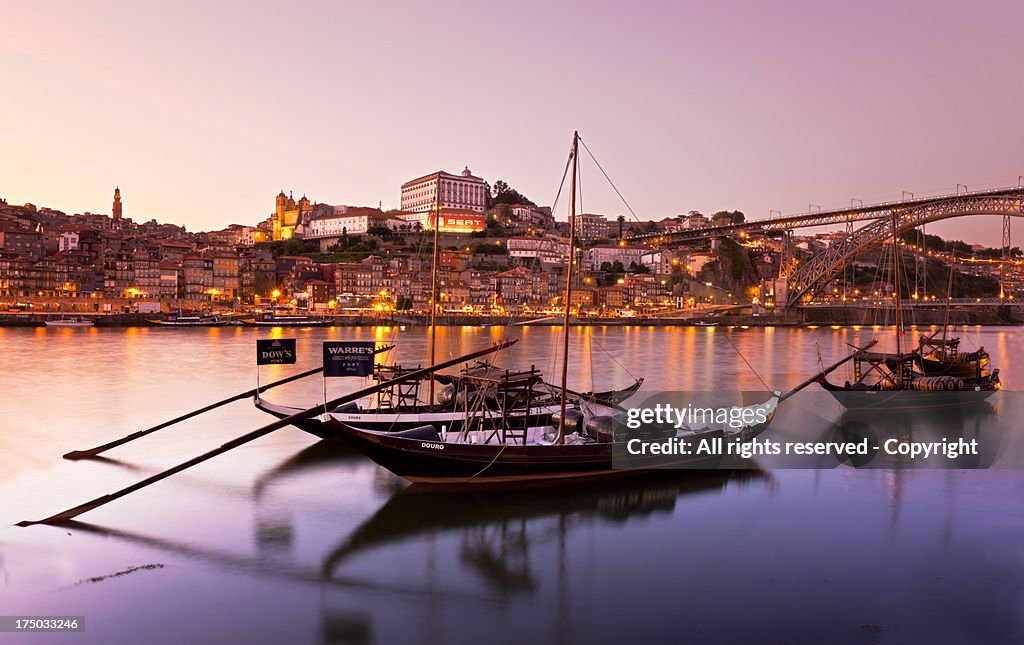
(502, 193)
(728, 217)
(617, 267)
(622, 221)
(606, 266)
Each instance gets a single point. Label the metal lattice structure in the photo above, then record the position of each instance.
(823, 267)
(843, 216)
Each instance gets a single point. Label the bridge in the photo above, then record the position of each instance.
(887, 303)
(815, 218)
(803, 281)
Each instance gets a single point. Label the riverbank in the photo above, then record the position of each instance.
(790, 318)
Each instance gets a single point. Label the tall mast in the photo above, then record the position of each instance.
(568, 281)
(433, 284)
(896, 298)
(949, 296)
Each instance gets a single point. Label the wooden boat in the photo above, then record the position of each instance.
(944, 358)
(500, 443)
(406, 416)
(889, 382)
(288, 320)
(73, 321)
(190, 320)
(483, 457)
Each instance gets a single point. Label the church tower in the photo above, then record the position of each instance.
(280, 204)
(117, 203)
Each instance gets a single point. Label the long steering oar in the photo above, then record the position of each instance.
(93, 452)
(825, 372)
(260, 432)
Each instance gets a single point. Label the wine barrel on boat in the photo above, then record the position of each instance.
(573, 420)
(938, 383)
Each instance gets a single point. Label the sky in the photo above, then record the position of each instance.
(202, 111)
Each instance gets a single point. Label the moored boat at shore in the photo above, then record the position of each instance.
(174, 319)
(287, 320)
(72, 321)
(487, 458)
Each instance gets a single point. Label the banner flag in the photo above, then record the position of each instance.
(349, 357)
(275, 351)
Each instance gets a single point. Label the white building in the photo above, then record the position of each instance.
(696, 220)
(602, 253)
(546, 249)
(460, 192)
(350, 221)
(68, 241)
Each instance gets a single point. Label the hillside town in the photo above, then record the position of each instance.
(498, 253)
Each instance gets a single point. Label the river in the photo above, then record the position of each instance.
(288, 539)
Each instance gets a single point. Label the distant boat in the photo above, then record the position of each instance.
(288, 320)
(190, 320)
(888, 382)
(73, 321)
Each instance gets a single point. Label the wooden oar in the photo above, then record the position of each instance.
(92, 452)
(260, 432)
(825, 372)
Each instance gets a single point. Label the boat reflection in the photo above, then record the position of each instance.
(499, 528)
(897, 429)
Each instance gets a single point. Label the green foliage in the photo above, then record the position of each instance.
(736, 255)
(293, 246)
(728, 217)
(483, 248)
(502, 193)
(339, 256)
(494, 228)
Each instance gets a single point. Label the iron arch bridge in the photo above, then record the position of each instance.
(804, 280)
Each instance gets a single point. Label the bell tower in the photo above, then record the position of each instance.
(117, 203)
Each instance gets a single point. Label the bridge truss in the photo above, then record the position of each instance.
(822, 268)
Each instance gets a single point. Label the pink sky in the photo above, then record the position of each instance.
(201, 112)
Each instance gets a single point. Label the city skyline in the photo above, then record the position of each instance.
(201, 114)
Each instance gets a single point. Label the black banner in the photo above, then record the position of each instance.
(349, 358)
(275, 351)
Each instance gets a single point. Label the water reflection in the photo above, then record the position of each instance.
(496, 529)
(301, 541)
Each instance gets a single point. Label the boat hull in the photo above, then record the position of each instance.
(893, 400)
(288, 323)
(69, 323)
(434, 461)
(178, 323)
(429, 462)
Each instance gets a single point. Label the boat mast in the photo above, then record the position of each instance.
(896, 298)
(568, 282)
(949, 297)
(433, 284)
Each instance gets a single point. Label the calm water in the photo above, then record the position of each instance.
(287, 539)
